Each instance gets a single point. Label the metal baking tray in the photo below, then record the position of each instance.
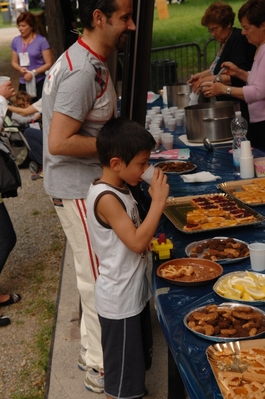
(223, 261)
(177, 208)
(216, 338)
(237, 365)
(236, 186)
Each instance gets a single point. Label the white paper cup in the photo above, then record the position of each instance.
(205, 86)
(245, 151)
(156, 109)
(148, 174)
(4, 79)
(167, 142)
(171, 124)
(257, 256)
(179, 120)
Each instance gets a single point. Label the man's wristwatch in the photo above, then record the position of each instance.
(219, 79)
(228, 91)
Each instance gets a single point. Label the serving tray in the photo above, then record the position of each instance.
(255, 196)
(203, 247)
(230, 360)
(204, 271)
(176, 167)
(232, 286)
(177, 208)
(224, 338)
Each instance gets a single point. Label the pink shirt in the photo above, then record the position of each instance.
(254, 91)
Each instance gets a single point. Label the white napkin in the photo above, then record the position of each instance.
(199, 177)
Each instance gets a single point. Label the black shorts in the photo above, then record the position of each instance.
(127, 354)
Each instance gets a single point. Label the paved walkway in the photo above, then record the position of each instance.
(65, 380)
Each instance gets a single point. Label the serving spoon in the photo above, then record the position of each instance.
(208, 145)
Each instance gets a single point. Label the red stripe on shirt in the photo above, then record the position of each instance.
(69, 60)
(81, 206)
(100, 57)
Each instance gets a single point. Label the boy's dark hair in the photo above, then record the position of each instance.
(87, 7)
(122, 138)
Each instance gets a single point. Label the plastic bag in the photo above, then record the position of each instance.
(31, 87)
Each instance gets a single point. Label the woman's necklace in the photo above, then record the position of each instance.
(26, 43)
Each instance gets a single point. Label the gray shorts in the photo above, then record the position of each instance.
(127, 354)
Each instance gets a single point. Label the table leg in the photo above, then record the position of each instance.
(175, 385)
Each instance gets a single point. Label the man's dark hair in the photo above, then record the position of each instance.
(122, 138)
(87, 7)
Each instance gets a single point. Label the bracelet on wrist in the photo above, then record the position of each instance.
(228, 91)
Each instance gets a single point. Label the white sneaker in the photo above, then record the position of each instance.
(94, 381)
(82, 359)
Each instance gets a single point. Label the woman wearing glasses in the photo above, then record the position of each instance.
(219, 19)
(252, 18)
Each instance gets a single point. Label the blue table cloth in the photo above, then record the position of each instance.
(174, 302)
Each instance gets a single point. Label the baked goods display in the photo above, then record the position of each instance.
(218, 249)
(242, 286)
(186, 271)
(251, 192)
(226, 321)
(209, 212)
(216, 211)
(176, 166)
(239, 369)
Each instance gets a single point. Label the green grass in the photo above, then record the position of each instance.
(184, 23)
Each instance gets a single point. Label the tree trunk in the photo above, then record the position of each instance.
(55, 25)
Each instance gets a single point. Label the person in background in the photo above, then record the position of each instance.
(31, 53)
(7, 232)
(22, 100)
(219, 19)
(252, 18)
(78, 98)
(33, 136)
(121, 242)
(69, 23)
(18, 7)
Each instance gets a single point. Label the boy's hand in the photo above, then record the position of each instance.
(159, 189)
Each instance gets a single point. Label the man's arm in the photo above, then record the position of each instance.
(64, 139)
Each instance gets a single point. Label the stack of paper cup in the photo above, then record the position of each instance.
(4, 79)
(246, 161)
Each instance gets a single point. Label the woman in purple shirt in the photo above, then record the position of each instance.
(31, 53)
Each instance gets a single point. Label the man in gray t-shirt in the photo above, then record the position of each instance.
(78, 98)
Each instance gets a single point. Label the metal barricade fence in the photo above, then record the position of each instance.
(175, 64)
